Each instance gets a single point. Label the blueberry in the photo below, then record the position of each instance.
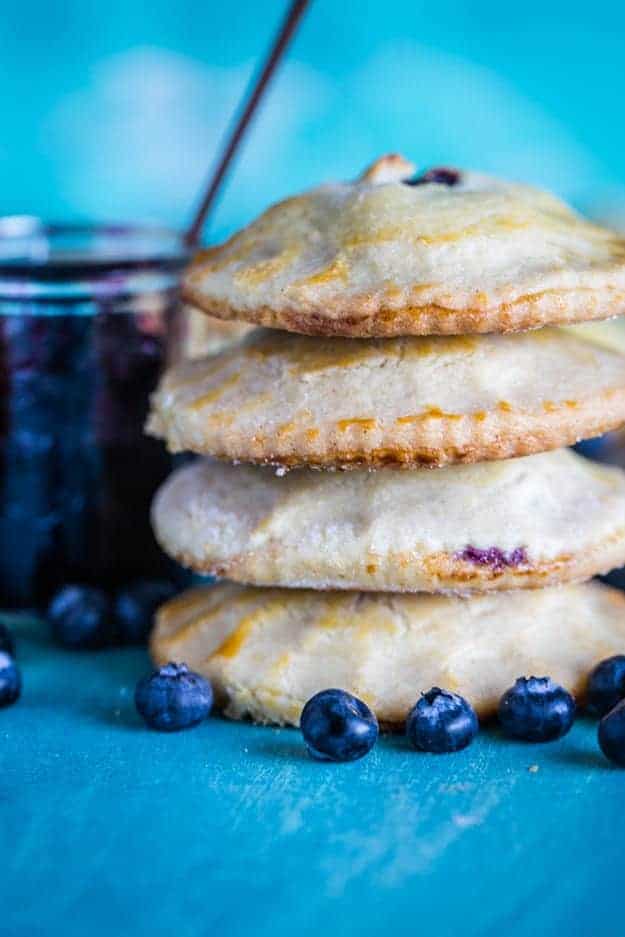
(536, 709)
(135, 607)
(80, 617)
(7, 642)
(611, 734)
(606, 685)
(173, 697)
(615, 578)
(337, 726)
(10, 680)
(591, 448)
(441, 175)
(441, 722)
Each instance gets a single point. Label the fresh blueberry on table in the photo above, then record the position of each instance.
(10, 680)
(441, 722)
(536, 709)
(7, 642)
(440, 175)
(611, 734)
(337, 726)
(80, 617)
(136, 605)
(173, 697)
(606, 685)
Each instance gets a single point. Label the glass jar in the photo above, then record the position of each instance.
(85, 313)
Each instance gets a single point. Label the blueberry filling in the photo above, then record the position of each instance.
(494, 557)
(441, 175)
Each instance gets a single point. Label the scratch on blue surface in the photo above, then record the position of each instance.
(402, 843)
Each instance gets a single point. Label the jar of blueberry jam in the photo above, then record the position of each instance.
(85, 313)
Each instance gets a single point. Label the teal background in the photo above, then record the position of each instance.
(114, 110)
(229, 829)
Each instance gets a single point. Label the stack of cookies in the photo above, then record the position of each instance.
(387, 491)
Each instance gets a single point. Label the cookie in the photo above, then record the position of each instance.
(200, 335)
(448, 252)
(291, 400)
(269, 650)
(527, 522)
(610, 334)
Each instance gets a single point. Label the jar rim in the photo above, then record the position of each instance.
(69, 263)
(31, 248)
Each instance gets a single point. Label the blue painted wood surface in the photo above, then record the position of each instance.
(109, 829)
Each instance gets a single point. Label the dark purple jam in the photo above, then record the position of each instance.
(77, 473)
(494, 557)
(441, 175)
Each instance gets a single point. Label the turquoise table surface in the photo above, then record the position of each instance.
(109, 829)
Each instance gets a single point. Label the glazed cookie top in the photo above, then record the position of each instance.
(398, 531)
(399, 253)
(269, 650)
(296, 400)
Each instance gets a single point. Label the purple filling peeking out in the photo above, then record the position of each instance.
(493, 557)
(441, 175)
